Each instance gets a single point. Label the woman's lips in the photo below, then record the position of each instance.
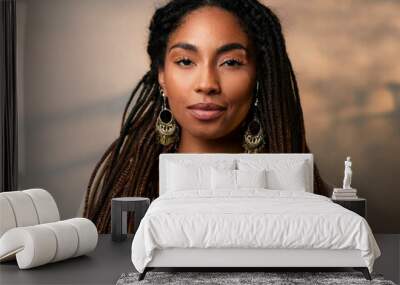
(206, 115)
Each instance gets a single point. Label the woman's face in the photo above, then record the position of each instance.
(209, 59)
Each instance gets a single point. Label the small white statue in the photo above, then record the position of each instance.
(347, 174)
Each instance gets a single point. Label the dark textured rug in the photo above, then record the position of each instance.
(270, 278)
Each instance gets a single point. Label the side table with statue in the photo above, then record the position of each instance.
(347, 196)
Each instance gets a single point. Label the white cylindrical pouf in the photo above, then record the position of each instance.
(45, 205)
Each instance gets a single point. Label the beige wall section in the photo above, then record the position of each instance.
(346, 59)
(80, 59)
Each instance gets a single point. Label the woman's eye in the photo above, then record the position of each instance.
(187, 62)
(183, 62)
(233, 62)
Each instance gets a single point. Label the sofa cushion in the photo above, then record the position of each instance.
(27, 208)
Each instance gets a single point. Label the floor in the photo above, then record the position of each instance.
(388, 263)
(111, 259)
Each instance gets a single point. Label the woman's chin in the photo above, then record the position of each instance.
(207, 133)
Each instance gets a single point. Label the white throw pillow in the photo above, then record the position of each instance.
(223, 179)
(188, 175)
(295, 178)
(282, 174)
(251, 178)
(182, 178)
(227, 179)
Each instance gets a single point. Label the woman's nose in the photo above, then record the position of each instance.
(208, 81)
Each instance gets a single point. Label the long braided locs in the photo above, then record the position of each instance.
(129, 167)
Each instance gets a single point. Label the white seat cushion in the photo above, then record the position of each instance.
(67, 237)
(7, 220)
(24, 211)
(32, 246)
(45, 206)
(40, 244)
(87, 235)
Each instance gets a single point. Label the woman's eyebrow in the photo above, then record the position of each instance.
(221, 49)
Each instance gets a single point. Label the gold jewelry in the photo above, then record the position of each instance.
(253, 138)
(166, 127)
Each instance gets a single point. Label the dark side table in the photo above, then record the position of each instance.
(358, 205)
(119, 209)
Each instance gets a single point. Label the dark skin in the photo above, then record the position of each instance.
(199, 73)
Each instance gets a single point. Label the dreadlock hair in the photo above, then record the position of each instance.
(129, 167)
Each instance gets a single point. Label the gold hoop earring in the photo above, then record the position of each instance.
(253, 140)
(166, 127)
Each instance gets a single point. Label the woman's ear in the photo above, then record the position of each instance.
(161, 79)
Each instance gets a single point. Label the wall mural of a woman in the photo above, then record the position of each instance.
(219, 71)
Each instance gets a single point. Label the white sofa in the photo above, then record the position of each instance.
(31, 231)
